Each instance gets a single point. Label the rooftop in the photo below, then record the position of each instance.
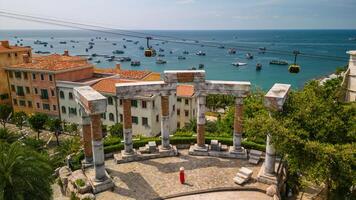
(185, 90)
(108, 85)
(6, 48)
(53, 62)
(130, 74)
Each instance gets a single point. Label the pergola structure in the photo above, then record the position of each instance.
(93, 104)
(171, 79)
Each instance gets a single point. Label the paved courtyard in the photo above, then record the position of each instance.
(159, 178)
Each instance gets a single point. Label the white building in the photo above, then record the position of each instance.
(186, 105)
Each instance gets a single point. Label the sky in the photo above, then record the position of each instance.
(187, 14)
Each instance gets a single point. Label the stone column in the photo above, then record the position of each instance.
(270, 161)
(165, 122)
(98, 148)
(201, 121)
(128, 145)
(87, 139)
(238, 116)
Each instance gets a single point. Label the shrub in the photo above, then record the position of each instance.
(80, 182)
(116, 130)
(180, 133)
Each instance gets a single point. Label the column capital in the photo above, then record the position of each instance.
(239, 100)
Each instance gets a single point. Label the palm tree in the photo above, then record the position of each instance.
(24, 173)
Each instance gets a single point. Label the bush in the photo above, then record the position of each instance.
(116, 130)
(181, 133)
(80, 183)
(34, 143)
(111, 140)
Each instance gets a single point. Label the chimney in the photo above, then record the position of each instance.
(26, 58)
(5, 43)
(66, 53)
(118, 66)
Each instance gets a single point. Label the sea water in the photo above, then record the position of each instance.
(217, 61)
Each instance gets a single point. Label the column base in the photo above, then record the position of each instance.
(238, 153)
(161, 153)
(86, 163)
(100, 186)
(267, 178)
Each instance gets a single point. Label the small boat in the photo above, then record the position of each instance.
(238, 64)
(136, 42)
(92, 39)
(262, 49)
(91, 43)
(124, 59)
(170, 52)
(86, 49)
(124, 46)
(42, 52)
(118, 52)
(278, 62)
(90, 47)
(128, 40)
(221, 47)
(114, 44)
(200, 53)
(160, 55)
(193, 68)
(258, 66)
(94, 55)
(73, 46)
(90, 58)
(160, 61)
(249, 56)
(141, 48)
(73, 41)
(98, 61)
(352, 38)
(161, 50)
(110, 59)
(181, 58)
(135, 63)
(62, 42)
(185, 52)
(201, 66)
(52, 38)
(51, 46)
(232, 51)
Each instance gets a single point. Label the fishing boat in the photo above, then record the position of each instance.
(237, 64)
(136, 42)
(181, 58)
(249, 56)
(201, 66)
(135, 63)
(200, 53)
(62, 42)
(278, 62)
(73, 41)
(118, 52)
(51, 46)
(258, 66)
(124, 59)
(91, 43)
(232, 51)
(262, 48)
(90, 58)
(221, 47)
(160, 55)
(114, 44)
(161, 50)
(98, 61)
(110, 59)
(160, 61)
(128, 40)
(141, 48)
(124, 46)
(185, 52)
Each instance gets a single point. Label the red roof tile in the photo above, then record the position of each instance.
(108, 85)
(125, 74)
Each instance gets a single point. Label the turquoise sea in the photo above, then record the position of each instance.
(217, 61)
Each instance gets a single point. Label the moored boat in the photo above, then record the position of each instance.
(135, 63)
(238, 64)
(278, 62)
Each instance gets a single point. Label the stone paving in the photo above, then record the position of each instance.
(159, 177)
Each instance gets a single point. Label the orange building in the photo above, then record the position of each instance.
(9, 55)
(33, 83)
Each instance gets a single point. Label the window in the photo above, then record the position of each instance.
(110, 101)
(29, 103)
(153, 104)
(36, 91)
(179, 99)
(25, 75)
(144, 121)
(73, 111)
(103, 115)
(9, 55)
(33, 76)
(111, 117)
(64, 109)
(42, 77)
(46, 106)
(134, 119)
(22, 103)
(178, 125)
(4, 96)
(20, 91)
(70, 95)
(28, 90)
(157, 118)
(54, 107)
(13, 88)
(121, 118)
(61, 94)
(174, 108)
(186, 102)
(15, 102)
(10, 74)
(193, 112)
(17, 74)
(44, 94)
(50, 77)
(134, 103)
(52, 93)
(178, 111)
(144, 104)
(186, 113)
(15, 54)
(38, 105)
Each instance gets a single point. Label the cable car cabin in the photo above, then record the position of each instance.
(150, 52)
(294, 68)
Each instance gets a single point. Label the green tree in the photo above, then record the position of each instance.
(71, 128)
(5, 114)
(19, 119)
(24, 173)
(37, 122)
(116, 130)
(7, 136)
(55, 126)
